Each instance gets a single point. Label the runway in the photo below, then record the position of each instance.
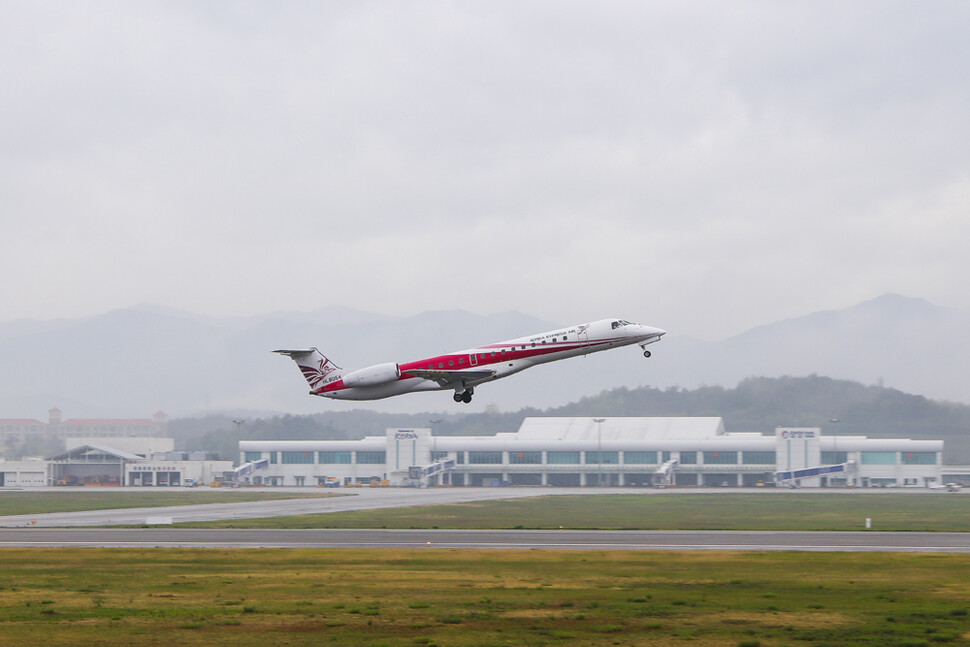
(359, 499)
(93, 528)
(362, 499)
(487, 539)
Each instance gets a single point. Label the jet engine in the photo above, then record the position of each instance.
(373, 375)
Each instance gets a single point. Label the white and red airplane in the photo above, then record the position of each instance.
(464, 370)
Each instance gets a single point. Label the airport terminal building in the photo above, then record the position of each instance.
(607, 452)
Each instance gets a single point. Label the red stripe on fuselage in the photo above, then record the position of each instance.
(493, 354)
(487, 356)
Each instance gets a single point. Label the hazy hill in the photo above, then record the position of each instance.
(897, 341)
(136, 361)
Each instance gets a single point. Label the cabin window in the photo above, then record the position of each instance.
(441, 364)
(451, 362)
(564, 337)
(461, 360)
(554, 340)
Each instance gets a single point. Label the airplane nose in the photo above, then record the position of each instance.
(655, 332)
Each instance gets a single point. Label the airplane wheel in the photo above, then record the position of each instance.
(458, 397)
(646, 353)
(466, 397)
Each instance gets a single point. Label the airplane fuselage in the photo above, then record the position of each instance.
(465, 369)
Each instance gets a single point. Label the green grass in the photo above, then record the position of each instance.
(17, 502)
(407, 598)
(669, 511)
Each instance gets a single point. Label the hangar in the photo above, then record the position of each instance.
(607, 452)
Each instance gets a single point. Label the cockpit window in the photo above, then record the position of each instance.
(621, 322)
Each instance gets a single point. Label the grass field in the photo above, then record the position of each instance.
(430, 597)
(19, 502)
(674, 511)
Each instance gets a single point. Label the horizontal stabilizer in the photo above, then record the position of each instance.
(295, 353)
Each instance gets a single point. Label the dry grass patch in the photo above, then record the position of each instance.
(397, 597)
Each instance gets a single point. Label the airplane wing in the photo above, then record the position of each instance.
(450, 379)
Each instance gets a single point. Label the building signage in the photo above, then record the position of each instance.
(405, 434)
(797, 434)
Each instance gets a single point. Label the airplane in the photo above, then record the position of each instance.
(462, 371)
(947, 487)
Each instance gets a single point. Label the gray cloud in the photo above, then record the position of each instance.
(701, 166)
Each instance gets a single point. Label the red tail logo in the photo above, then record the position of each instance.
(316, 375)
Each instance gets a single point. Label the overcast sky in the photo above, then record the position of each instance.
(704, 167)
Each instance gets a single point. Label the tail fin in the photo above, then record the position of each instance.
(316, 368)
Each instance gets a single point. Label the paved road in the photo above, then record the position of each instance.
(491, 539)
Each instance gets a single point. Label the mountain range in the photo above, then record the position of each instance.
(136, 361)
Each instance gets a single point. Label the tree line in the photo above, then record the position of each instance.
(839, 407)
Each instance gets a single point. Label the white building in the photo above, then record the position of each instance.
(29, 472)
(136, 461)
(617, 452)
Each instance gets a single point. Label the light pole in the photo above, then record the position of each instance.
(434, 445)
(599, 450)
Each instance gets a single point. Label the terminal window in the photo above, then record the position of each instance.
(562, 458)
(292, 458)
(335, 458)
(371, 458)
(597, 458)
(525, 458)
(485, 458)
(878, 458)
(919, 458)
(640, 458)
(757, 458)
(720, 458)
(834, 458)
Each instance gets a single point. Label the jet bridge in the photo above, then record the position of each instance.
(789, 478)
(247, 469)
(663, 477)
(419, 474)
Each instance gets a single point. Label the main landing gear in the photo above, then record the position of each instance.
(464, 396)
